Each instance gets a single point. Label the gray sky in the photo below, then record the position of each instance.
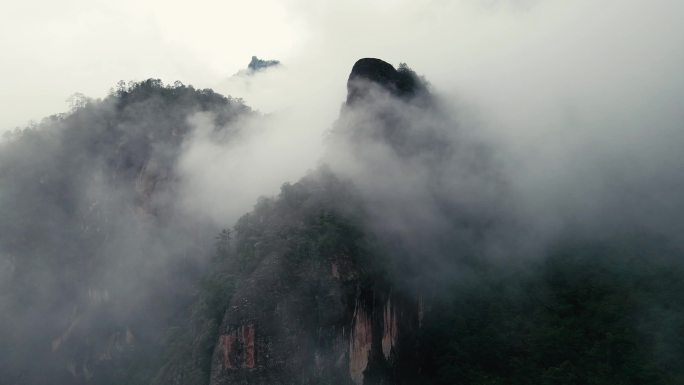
(53, 49)
(480, 47)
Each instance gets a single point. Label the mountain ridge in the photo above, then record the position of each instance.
(396, 261)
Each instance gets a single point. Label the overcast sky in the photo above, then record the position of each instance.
(486, 50)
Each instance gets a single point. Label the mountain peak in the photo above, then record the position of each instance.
(402, 82)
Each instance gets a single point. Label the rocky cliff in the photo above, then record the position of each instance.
(310, 310)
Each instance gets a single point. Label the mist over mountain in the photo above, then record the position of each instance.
(97, 252)
(142, 242)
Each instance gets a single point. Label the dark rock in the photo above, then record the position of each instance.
(370, 71)
(383, 106)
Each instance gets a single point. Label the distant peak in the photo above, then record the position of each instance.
(259, 64)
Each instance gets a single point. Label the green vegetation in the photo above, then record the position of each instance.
(87, 286)
(188, 347)
(308, 223)
(590, 313)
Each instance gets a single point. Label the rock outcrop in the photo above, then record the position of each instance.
(257, 64)
(375, 72)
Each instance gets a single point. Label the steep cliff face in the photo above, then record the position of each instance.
(308, 326)
(312, 322)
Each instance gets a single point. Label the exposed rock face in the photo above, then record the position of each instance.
(237, 348)
(389, 329)
(315, 328)
(360, 343)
